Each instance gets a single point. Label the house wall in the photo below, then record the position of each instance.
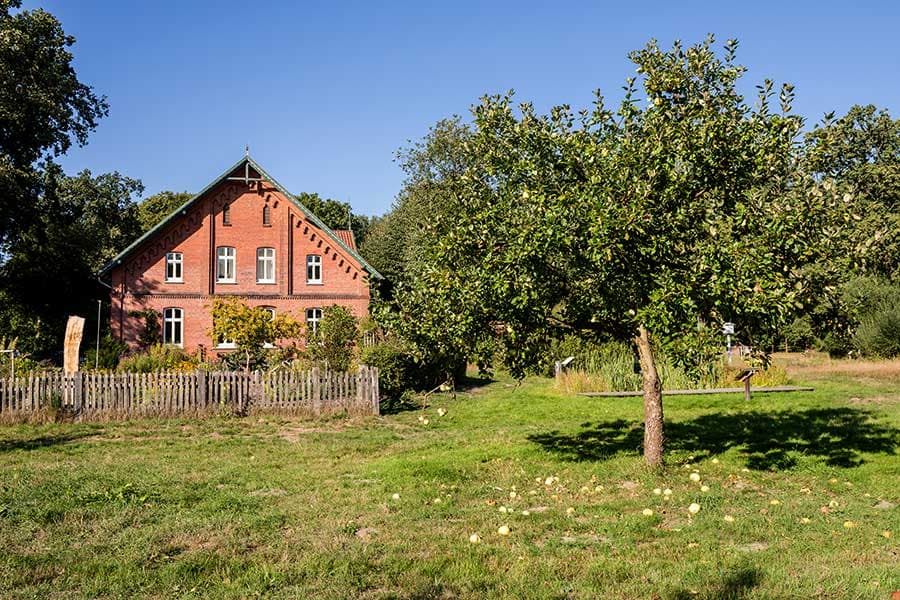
(139, 282)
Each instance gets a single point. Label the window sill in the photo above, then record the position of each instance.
(266, 282)
(225, 347)
(313, 283)
(226, 282)
(174, 281)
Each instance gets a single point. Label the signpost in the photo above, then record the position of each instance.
(728, 330)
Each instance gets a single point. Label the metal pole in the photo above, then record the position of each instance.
(97, 352)
(729, 348)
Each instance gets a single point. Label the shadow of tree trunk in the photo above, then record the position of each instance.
(768, 440)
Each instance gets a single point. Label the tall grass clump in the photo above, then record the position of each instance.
(612, 367)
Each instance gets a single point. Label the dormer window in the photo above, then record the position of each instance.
(226, 214)
(267, 215)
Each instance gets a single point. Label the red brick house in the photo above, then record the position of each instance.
(243, 235)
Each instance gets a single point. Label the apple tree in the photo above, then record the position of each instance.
(651, 223)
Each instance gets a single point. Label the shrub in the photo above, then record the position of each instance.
(111, 350)
(401, 370)
(799, 335)
(250, 328)
(336, 339)
(879, 333)
(159, 358)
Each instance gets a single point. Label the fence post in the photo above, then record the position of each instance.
(78, 391)
(316, 391)
(361, 387)
(202, 389)
(376, 392)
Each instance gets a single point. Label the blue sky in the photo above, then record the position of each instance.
(326, 92)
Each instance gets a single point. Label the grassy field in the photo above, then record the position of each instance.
(800, 500)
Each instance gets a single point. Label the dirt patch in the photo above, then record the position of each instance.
(267, 493)
(294, 434)
(752, 547)
(875, 400)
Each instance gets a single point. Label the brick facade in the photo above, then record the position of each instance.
(138, 275)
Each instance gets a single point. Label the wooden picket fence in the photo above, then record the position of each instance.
(97, 396)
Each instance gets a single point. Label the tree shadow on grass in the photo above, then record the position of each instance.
(768, 440)
(733, 586)
(43, 441)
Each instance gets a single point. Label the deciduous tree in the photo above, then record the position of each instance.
(652, 223)
(44, 107)
(250, 328)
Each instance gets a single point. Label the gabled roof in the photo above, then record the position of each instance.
(246, 160)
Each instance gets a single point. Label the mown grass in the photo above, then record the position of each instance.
(262, 507)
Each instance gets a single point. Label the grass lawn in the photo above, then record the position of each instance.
(276, 507)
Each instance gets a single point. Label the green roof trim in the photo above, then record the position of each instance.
(263, 175)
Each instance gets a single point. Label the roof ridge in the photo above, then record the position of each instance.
(117, 260)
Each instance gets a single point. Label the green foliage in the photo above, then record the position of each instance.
(874, 305)
(21, 361)
(399, 369)
(670, 211)
(337, 215)
(159, 358)
(43, 106)
(879, 333)
(157, 207)
(81, 222)
(250, 328)
(395, 245)
(334, 343)
(111, 351)
(799, 334)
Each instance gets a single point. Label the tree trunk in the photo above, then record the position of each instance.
(653, 407)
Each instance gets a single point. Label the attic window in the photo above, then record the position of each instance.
(226, 214)
(267, 215)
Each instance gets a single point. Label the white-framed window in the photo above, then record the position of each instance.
(313, 268)
(174, 262)
(225, 344)
(271, 311)
(265, 265)
(313, 317)
(173, 326)
(225, 264)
